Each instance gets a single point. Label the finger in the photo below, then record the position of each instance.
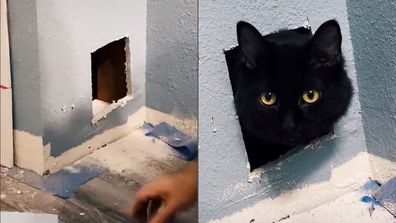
(142, 199)
(164, 214)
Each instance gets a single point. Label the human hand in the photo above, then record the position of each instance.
(177, 192)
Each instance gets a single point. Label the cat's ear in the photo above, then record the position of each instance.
(325, 45)
(250, 42)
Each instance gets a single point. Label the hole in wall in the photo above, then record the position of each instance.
(260, 156)
(111, 76)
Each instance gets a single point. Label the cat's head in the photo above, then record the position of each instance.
(289, 86)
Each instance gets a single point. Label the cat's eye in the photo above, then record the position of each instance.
(311, 96)
(268, 98)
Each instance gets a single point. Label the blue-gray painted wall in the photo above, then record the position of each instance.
(51, 44)
(50, 55)
(373, 28)
(223, 184)
(24, 59)
(172, 57)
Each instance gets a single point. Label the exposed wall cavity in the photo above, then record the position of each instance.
(172, 74)
(111, 77)
(109, 82)
(373, 29)
(51, 65)
(223, 161)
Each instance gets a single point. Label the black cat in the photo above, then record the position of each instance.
(289, 87)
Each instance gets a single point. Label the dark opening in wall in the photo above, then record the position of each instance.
(109, 73)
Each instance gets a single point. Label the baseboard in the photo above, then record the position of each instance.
(30, 153)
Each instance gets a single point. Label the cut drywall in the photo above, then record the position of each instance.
(109, 82)
(111, 77)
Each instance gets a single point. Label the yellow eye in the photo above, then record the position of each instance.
(311, 96)
(267, 98)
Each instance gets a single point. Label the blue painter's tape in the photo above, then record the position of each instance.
(182, 143)
(64, 182)
(371, 186)
(370, 200)
(386, 195)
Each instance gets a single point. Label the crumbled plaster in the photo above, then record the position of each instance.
(382, 168)
(296, 201)
(101, 109)
(127, 64)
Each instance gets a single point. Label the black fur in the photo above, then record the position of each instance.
(287, 63)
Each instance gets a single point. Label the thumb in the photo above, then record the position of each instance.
(164, 214)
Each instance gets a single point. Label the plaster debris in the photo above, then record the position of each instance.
(101, 109)
(72, 169)
(255, 176)
(371, 210)
(278, 166)
(306, 24)
(3, 196)
(229, 48)
(82, 213)
(315, 144)
(284, 218)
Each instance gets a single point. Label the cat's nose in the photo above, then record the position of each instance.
(289, 124)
